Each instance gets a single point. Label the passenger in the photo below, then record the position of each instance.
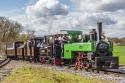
(56, 41)
(65, 39)
(57, 47)
(40, 45)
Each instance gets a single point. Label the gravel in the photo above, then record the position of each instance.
(17, 64)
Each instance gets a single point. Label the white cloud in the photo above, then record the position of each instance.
(113, 5)
(87, 5)
(51, 16)
(43, 8)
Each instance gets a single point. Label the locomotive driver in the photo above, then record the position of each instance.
(103, 37)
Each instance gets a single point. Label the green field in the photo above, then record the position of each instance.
(120, 51)
(41, 75)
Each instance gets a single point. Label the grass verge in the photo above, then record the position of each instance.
(41, 75)
(120, 51)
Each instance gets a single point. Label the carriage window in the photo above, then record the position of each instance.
(19, 45)
(10, 45)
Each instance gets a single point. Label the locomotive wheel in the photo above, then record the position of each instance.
(43, 60)
(87, 66)
(31, 59)
(57, 61)
(81, 61)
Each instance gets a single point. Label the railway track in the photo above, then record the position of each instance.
(3, 71)
(4, 62)
(117, 71)
(121, 70)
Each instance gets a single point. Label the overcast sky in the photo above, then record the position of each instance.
(51, 16)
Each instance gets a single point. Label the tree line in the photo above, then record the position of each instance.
(10, 31)
(118, 41)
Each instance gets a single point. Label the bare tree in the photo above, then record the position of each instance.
(9, 30)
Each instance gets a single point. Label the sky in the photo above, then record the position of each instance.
(51, 16)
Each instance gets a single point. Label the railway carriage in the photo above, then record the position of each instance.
(15, 50)
(10, 50)
(28, 50)
(32, 49)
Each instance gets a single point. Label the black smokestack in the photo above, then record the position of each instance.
(99, 30)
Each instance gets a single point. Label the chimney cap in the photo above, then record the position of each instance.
(99, 22)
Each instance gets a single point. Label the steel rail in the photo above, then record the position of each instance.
(4, 62)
